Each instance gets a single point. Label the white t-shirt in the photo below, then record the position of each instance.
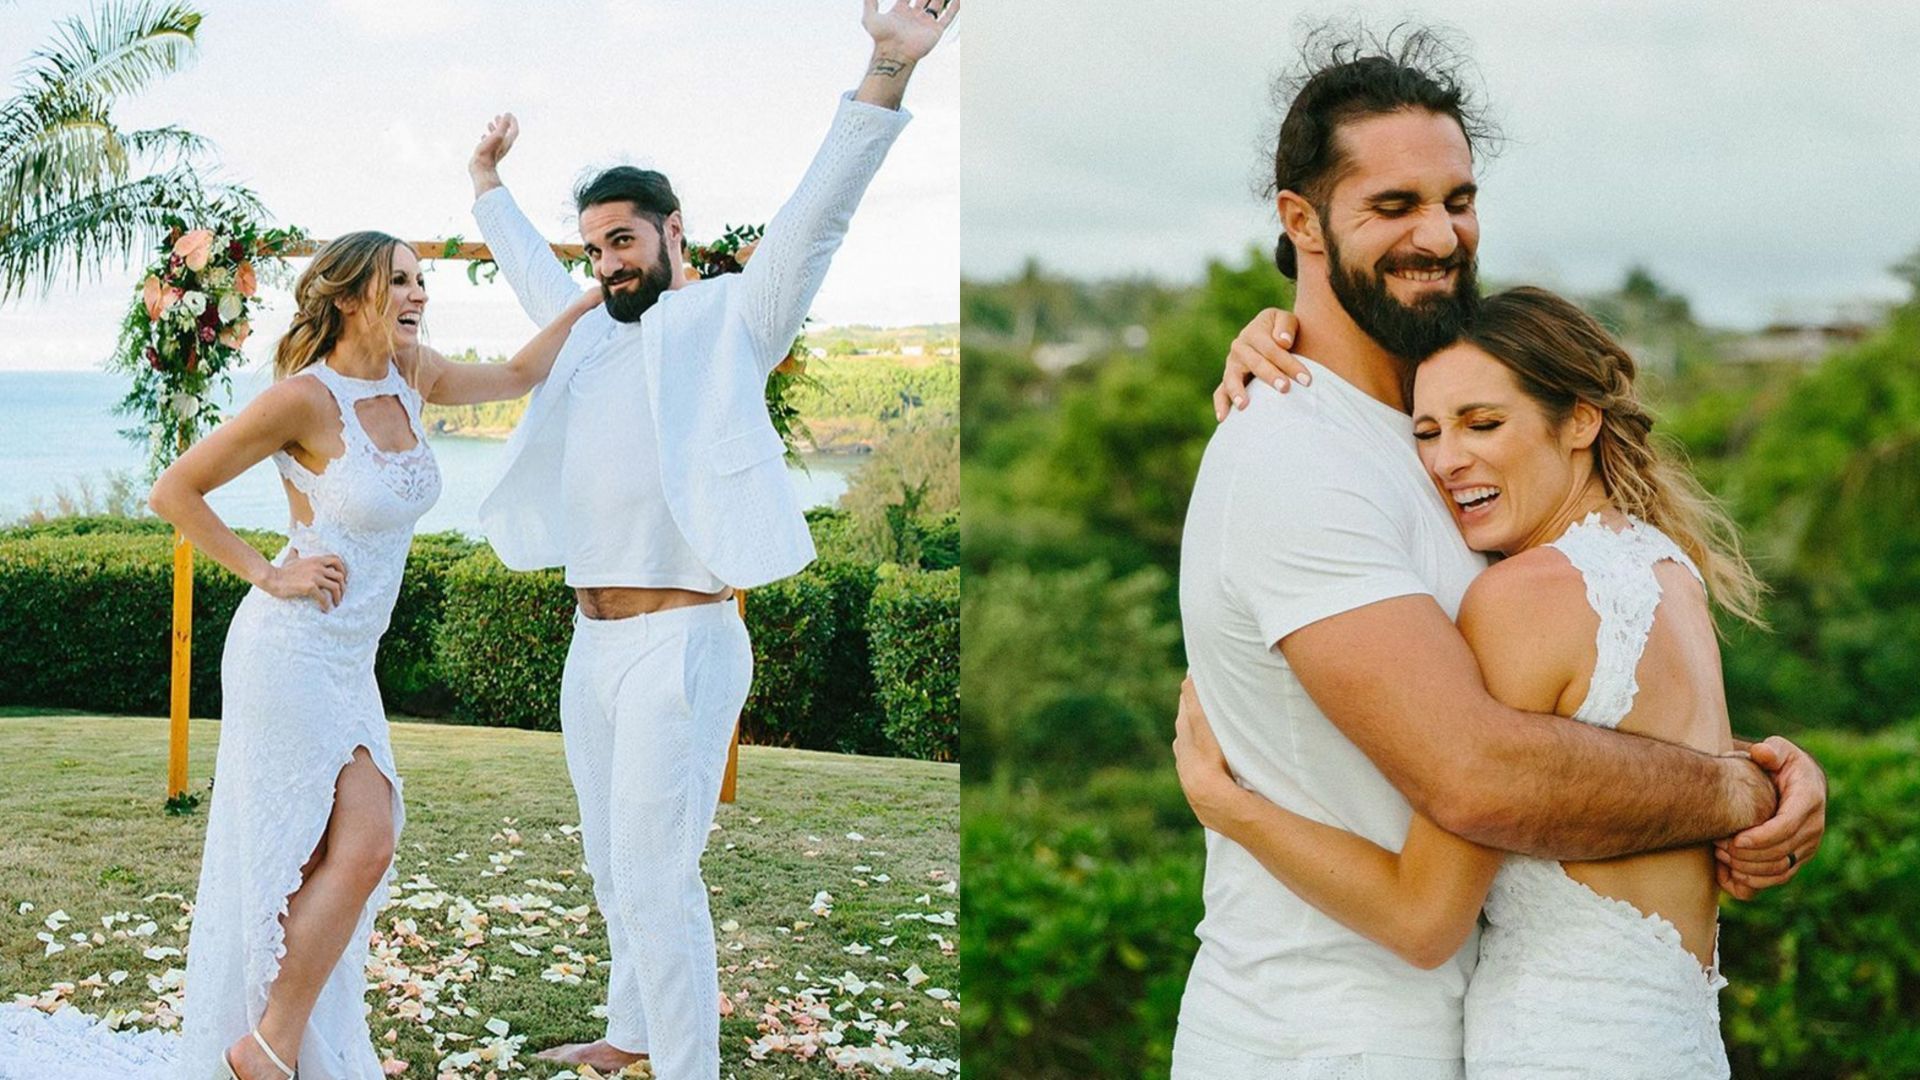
(619, 530)
(1308, 505)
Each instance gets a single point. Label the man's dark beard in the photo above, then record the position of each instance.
(629, 306)
(1411, 332)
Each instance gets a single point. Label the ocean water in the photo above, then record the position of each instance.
(58, 431)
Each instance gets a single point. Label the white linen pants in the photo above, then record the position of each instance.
(647, 708)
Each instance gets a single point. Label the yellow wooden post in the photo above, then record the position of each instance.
(182, 659)
(733, 748)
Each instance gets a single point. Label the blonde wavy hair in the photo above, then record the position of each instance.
(356, 266)
(1560, 355)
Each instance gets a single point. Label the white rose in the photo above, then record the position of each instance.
(194, 302)
(230, 305)
(185, 405)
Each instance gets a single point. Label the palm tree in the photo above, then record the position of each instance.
(76, 192)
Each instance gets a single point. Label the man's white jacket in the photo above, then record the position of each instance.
(706, 350)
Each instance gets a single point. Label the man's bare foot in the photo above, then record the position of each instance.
(602, 1055)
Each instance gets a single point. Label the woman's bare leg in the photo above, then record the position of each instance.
(349, 864)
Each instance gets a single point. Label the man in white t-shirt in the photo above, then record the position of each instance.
(1319, 575)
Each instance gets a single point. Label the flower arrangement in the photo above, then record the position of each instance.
(185, 328)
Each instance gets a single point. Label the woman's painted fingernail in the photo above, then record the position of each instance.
(1306, 378)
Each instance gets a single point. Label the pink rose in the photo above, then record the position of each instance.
(235, 335)
(195, 248)
(244, 281)
(152, 295)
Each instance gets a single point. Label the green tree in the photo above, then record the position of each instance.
(76, 191)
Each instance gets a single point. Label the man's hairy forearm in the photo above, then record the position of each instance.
(1561, 789)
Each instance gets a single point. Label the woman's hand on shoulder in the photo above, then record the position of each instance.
(1261, 352)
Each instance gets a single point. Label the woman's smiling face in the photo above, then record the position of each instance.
(1508, 469)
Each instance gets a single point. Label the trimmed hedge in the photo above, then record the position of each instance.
(915, 618)
(501, 643)
(86, 620)
(469, 640)
(1081, 902)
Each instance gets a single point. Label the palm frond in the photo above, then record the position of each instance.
(55, 156)
(100, 231)
(166, 146)
(125, 45)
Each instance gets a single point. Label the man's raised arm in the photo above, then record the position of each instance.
(1397, 678)
(535, 273)
(779, 283)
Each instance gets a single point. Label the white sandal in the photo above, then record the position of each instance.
(227, 1064)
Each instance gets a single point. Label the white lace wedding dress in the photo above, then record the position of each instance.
(299, 698)
(1572, 983)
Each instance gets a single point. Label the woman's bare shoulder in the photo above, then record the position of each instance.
(1528, 623)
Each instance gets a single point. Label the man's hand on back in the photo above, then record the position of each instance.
(1773, 851)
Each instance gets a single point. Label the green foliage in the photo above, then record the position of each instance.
(1822, 469)
(1080, 907)
(501, 642)
(860, 399)
(114, 592)
(896, 500)
(1066, 670)
(1824, 972)
(787, 620)
(406, 664)
(915, 637)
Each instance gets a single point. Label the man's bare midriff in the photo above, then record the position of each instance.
(622, 602)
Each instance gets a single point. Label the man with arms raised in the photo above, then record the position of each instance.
(1319, 575)
(647, 466)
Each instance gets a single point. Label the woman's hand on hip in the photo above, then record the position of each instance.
(320, 578)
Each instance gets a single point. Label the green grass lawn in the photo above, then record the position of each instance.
(491, 949)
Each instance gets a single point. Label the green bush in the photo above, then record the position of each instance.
(501, 642)
(469, 639)
(845, 690)
(1824, 972)
(791, 623)
(86, 619)
(1042, 688)
(915, 635)
(1081, 902)
(1079, 926)
(405, 665)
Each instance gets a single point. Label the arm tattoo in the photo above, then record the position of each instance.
(886, 68)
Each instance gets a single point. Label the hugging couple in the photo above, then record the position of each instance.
(1455, 722)
(646, 466)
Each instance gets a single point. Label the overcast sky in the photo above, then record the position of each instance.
(357, 114)
(1761, 157)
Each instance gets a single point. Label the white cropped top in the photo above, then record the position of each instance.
(619, 530)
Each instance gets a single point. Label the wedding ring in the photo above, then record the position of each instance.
(1792, 860)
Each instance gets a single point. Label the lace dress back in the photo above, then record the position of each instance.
(1571, 983)
(298, 698)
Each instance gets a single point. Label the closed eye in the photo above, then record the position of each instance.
(1485, 425)
(1429, 433)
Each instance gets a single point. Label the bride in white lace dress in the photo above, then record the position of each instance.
(307, 805)
(1599, 612)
